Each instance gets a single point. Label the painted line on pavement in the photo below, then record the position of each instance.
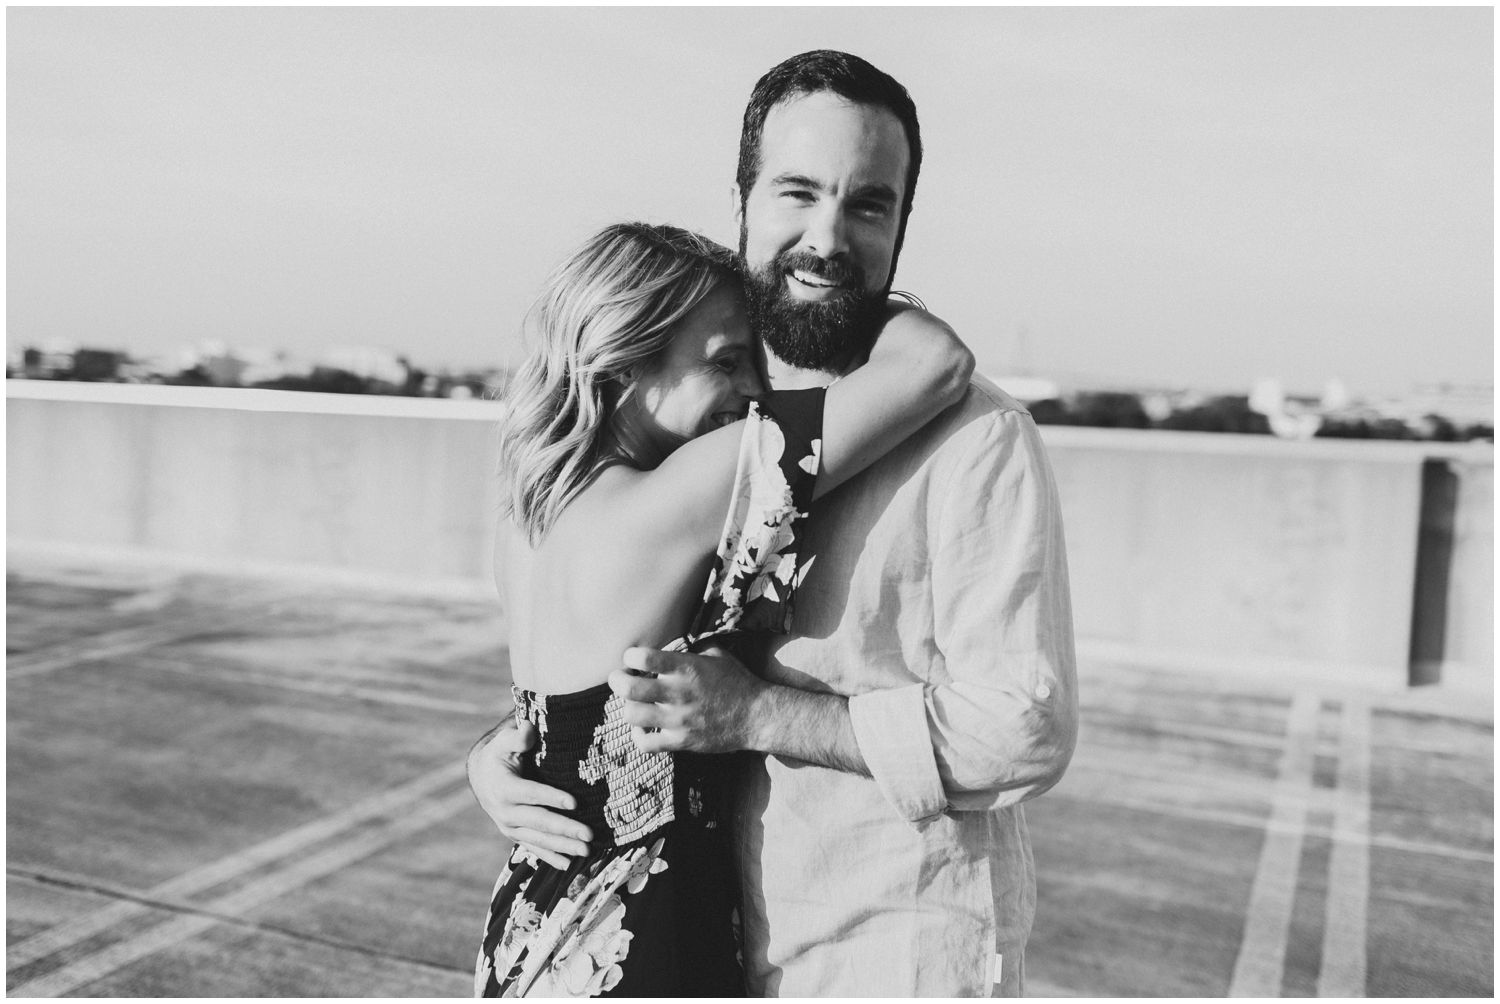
(233, 866)
(230, 673)
(1344, 962)
(125, 641)
(299, 873)
(1259, 967)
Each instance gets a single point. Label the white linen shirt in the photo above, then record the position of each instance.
(938, 601)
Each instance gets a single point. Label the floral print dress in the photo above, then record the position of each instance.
(652, 909)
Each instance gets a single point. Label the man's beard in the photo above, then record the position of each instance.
(806, 334)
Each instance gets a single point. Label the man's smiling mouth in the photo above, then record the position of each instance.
(814, 281)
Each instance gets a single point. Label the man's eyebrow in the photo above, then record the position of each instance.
(796, 181)
(877, 191)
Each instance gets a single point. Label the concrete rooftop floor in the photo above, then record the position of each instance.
(233, 786)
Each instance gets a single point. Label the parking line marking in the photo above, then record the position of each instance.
(1344, 961)
(225, 869)
(235, 673)
(295, 875)
(1259, 967)
(125, 641)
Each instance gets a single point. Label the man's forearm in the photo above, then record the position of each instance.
(805, 725)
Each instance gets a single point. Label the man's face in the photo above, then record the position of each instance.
(818, 230)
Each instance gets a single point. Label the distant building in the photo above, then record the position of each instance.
(52, 360)
(224, 370)
(97, 364)
(1290, 417)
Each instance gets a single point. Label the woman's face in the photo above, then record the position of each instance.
(703, 380)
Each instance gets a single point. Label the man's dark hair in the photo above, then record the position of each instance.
(847, 76)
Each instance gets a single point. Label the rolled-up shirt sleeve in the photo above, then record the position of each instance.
(890, 727)
(998, 723)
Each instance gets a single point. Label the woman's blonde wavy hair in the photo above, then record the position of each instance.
(603, 317)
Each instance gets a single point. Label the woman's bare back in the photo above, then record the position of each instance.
(599, 583)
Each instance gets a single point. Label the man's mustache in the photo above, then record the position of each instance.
(837, 271)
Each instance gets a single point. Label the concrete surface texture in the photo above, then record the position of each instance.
(234, 786)
(1194, 550)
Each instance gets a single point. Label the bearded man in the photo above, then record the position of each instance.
(928, 687)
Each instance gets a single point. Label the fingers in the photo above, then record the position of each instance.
(546, 829)
(668, 711)
(654, 660)
(517, 791)
(647, 689)
(663, 741)
(653, 716)
(517, 805)
(536, 843)
(495, 777)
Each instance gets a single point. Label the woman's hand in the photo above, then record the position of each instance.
(522, 810)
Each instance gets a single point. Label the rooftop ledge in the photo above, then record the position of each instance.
(252, 399)
(1060, 436)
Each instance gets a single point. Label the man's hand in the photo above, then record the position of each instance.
(520, 809)
(702, 703)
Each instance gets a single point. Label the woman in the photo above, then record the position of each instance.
(622, 447)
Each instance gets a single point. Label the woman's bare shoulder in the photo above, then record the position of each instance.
(623, 518)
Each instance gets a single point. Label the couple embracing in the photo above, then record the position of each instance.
(780, 751)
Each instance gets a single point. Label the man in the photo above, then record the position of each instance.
(929, 685)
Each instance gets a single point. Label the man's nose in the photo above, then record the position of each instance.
(826, 235)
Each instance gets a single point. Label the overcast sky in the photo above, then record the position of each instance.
(1170, 196)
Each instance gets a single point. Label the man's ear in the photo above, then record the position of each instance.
(739, 205)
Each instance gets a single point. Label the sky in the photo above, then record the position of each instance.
(1157, 197)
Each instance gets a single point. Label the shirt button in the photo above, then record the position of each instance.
(1043, 692)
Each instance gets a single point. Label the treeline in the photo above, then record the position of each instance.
(1232, 413)
(109, 366)
(332, 380)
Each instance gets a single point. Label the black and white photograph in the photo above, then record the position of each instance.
(773, 501)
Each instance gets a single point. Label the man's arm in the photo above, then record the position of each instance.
(1003, 726)
(713, 704)
(1001, 729)
(522, 810)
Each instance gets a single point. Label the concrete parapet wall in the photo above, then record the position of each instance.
(1249, 553)
(400, 487)
(1200, 550)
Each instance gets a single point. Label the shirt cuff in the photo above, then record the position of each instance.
(890, 727)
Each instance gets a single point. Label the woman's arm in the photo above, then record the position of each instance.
(917, 369)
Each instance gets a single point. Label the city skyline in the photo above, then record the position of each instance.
(1190, 197)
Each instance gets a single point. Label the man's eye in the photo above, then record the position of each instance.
(874, 210)
(797, 194)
